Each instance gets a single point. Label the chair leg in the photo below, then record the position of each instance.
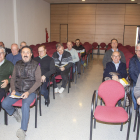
(137, 135)
(136, 114)
(53, 90)
(5, 117)
(128, 130)
(36, 114)
(91, 124)
(121, 127)
(40, 105)
(94, 123)
(75, 77)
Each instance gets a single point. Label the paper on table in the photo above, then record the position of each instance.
(15, 96)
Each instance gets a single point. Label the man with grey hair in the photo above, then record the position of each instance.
(134, 70)
(6, 70)
(22, 44)
(15, 55)
(7, 50)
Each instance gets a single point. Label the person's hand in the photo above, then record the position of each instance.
(43, 78)
(5, 83)
(115, 78)
(138, 101)
(62, 68)
(25, 95)
(13, 92)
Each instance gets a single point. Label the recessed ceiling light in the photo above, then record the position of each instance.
(132, 0)
(83, 0)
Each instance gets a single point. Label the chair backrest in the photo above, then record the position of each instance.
(111, 91)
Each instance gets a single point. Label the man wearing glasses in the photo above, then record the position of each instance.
(134, 69)
(107, 56)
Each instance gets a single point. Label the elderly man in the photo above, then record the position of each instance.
(115, 66)
(6, 70)
(134, 70)
(7, 50)
(22, 44)
(80, 49)
(107, 56)
(73, 53)
(25, 80)
(47, 69)
(63, 62)
(15, 55)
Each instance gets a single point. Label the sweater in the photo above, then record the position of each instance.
(13, 58)
(6, 70)
(134, 69)
(107, 57)
(74, 55)
(110, 67)
(80, 49)
(66, 60)
(47, 65)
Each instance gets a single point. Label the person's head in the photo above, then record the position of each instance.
(22, 44)
(69, 45)
(14, 49)
(26, 53)
(2, 53)
(137, 50)
(2, 44)
(77, 41)
(42, 50)
(114, 43)
(116, 56)
(60, 48)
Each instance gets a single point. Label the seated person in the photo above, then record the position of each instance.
(15, 55)
(115, 66)
(63, 62)
(25, 80)
(47, 69)
(22, 44)
(6, 70)
(73, 53)
(108, 54)
(137, 90)
(134, 70)
(7, 50)
(81, 50)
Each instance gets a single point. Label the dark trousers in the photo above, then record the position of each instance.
(44, 90)
(64, 75)
(2, 94)
(79, 66)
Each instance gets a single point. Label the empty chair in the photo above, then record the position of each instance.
(102, 48)
(95, 48)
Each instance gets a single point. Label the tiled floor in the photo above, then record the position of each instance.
(68, 116)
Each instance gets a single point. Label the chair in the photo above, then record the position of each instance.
(95, 47)
(110, 113)
(34, 103)
(102, 47)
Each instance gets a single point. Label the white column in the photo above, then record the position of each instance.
(15, 20)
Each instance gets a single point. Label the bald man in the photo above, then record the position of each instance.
(15, 55)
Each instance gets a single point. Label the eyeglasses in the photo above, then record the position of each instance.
(115, 56)
(1, 53)
(41, 51)
(137, 50)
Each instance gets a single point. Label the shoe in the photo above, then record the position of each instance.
(84, 64)
(61, 90)
(47, 102)
(17, 115)
(56, 90)
(21, 134)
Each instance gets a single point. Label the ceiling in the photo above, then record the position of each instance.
(92, 1)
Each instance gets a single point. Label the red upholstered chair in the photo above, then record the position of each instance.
(111, 92)
(102, 48)
(65, 45)
(95, 47)
(119, 45)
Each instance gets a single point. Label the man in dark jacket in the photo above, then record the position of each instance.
(47, 69)
(63, 62)
(107, 56)
(7, 50)
(115, 66)
(26, 78)
(134, 70)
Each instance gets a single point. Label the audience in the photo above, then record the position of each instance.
(6, 70)
(26, 78)
(73, 53)
(22, 44)
(107, 56)
(115, 66)
(81, 50)
(134, 69)
(7, 50)
(137, 90)
(63, 62)
(15, 55)
(47, 69)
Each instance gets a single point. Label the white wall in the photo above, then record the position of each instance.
(33, 16)
(7, 22)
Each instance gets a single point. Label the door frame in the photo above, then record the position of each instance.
(60, 32)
